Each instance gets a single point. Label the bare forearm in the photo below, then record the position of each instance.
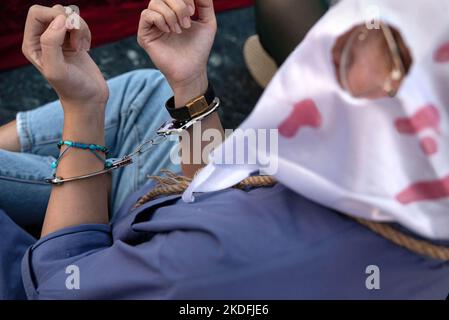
(190, 163)
(189, 146)
(85, 201)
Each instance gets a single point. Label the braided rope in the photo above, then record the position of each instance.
(174, 184)
(420, 247)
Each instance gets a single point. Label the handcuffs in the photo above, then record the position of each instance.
(169, 128)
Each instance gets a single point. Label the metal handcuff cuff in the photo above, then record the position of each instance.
(169, 128)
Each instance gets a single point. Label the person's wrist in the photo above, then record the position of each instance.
(84, 127)
(190, 90)
(95, 109)
(84, 122)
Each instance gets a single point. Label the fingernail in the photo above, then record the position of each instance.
(192, 10)
(186, 22)
(178, 28)
(58, 23)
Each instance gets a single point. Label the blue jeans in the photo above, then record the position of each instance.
(134, 112)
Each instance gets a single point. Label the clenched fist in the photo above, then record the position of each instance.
(60, 54)
(178, 45)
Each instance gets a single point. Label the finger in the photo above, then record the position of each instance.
(74, 40)
(67, 46)
(59, 8)
(169, 15)
(80, 35)
(149, 19)
(191, 6)
(205, 9)
(52, 60)
(182, 12)
(38, 19)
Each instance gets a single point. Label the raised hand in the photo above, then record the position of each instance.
(60, 54)
(178, 45)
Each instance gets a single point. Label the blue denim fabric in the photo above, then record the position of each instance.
(134, 112)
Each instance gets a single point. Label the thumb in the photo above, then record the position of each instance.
(52, 41)
(205, 9)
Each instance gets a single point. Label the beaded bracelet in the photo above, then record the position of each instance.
(79, 145)
(93, 148)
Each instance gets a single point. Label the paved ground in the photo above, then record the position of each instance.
(24, 88)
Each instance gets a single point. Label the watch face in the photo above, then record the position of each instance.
(197, 107)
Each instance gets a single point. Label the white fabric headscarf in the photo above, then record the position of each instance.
(384, 159)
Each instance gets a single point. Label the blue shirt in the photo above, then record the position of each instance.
(266, 243)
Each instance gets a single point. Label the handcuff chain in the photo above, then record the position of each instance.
(156, 140)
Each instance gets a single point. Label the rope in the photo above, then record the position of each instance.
(174, 184)
(420, 247)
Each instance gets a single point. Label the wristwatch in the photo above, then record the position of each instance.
(193, 108)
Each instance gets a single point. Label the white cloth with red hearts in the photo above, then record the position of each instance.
(384, 159)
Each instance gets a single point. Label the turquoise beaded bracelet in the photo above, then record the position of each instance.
(94, 148)
(79, 145)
